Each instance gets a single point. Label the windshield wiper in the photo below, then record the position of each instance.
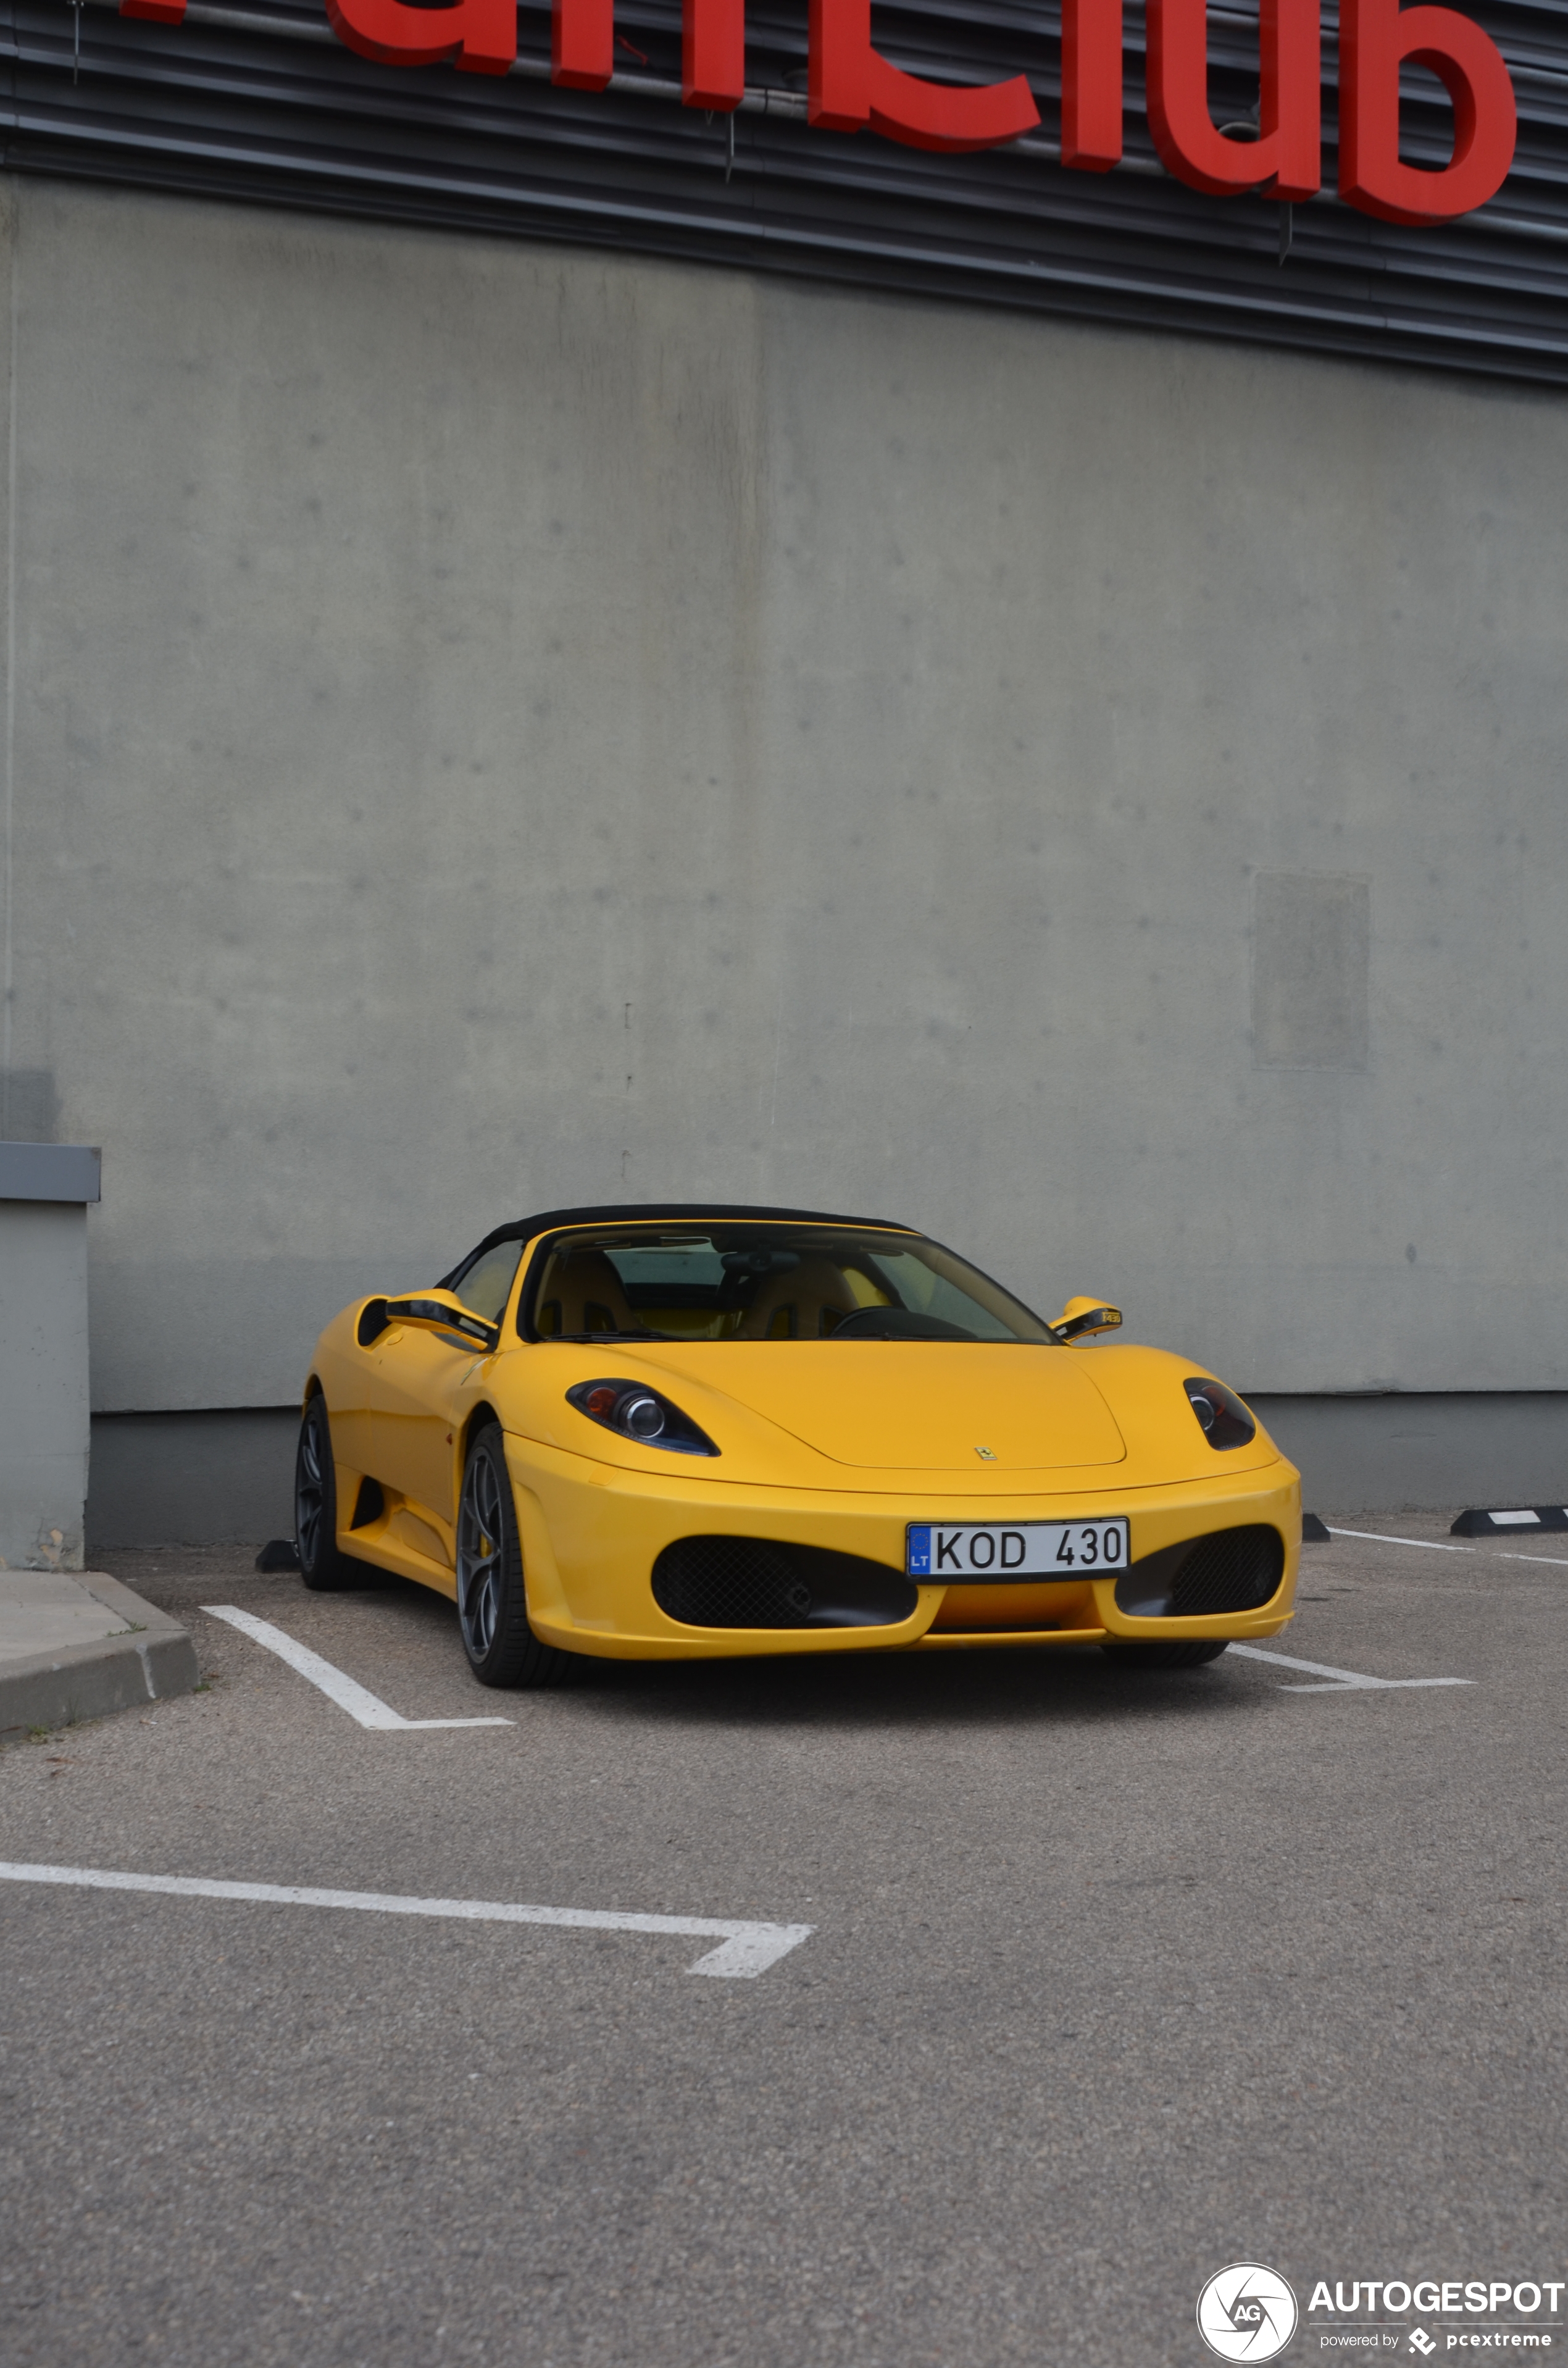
(604, 1336)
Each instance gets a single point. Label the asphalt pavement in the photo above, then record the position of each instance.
(1113, 1979)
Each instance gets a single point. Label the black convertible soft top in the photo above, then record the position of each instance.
(550, 1221)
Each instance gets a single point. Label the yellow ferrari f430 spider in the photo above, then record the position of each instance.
(699, 1430)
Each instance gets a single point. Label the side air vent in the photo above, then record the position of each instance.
(369, 1504)
(372, 1321)
(754, 1583)
(1230, 1570)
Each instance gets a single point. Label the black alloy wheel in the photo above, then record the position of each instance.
(492, 1611)
(315, 1504)
(1150, 1653)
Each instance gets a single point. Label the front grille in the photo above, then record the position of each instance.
(1233, 1570)
(1230, 1570)
(758, 1583)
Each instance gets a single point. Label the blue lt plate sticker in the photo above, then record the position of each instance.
(982, 1554)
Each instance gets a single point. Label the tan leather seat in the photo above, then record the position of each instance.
(802, 1306)
(582, 1293)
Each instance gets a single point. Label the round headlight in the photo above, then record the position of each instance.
(641, 1415)
(1225, 1420)
(636, 1410)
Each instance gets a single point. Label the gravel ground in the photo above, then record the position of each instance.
(1116, 1978)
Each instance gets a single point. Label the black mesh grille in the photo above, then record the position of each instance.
(756, 1583)
(1232, 1570)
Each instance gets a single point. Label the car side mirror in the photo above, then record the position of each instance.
(1083, 1317)
(442, 1311)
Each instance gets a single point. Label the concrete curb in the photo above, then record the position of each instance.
(79, 1681)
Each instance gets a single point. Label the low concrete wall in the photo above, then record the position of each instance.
(1425, 1453)
(192, 1479)
(207, 1479)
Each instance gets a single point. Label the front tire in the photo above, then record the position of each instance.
(493, 1609)
(1149, 1653)
(322, 1566)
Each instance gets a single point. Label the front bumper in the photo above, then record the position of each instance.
(591, 1534)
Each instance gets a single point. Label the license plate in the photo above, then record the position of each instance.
(979, 1554)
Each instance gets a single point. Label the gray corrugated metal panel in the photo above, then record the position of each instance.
(890, 169)
(1428, 127)
(50, 1171)
(263, 102)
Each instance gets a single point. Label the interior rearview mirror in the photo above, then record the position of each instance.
(1083, 1317)
(441, 1311)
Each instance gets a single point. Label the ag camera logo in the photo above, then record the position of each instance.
(1246, 2312)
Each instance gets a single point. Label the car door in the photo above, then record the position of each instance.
(425, 1386)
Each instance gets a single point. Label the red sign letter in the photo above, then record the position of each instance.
(850, 86)
(479, 36)
(1374, 35)
(713, 54)
(582, 43)
(1286, 155)
(1090, 84)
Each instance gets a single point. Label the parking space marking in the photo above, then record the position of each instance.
(346, 1692)
(748, 1948)
(1340, 1681)
(1438, 1545)
(1441, 1545)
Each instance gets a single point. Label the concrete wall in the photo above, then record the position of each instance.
(215, 1477)
(43, 1383)
(495, 726)
(168, 1479)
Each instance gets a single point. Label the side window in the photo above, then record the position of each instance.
(488, 1281)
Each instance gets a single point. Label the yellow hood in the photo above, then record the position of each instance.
(925, 1405)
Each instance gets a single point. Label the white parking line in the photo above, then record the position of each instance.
(1438, 1545)
(346, 1692)
(1441, 1545)
(748, 1948)
(1341, 1681)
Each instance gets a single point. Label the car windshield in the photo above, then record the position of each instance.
(762, 1282)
